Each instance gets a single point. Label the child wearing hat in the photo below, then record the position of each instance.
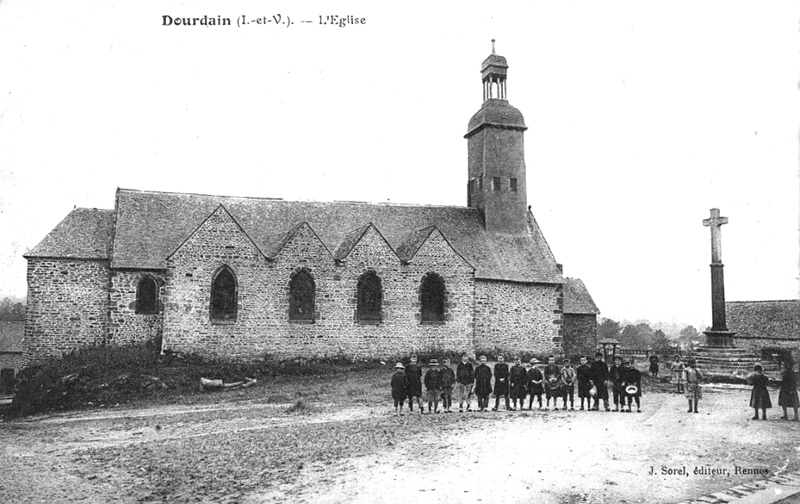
(599, 379)
(399, 388)
(759, 397)
(433, 384)
(483, 384)
(535, 383)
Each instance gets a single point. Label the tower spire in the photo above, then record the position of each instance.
(493, 74)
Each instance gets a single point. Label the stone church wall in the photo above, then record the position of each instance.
(518, 318)
(125, 325)
(262, 325)
(67, 300)
(580, 334)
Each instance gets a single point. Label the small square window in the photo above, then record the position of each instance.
(513, 185)
(495, 183)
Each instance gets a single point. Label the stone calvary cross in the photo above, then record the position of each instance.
(719, 334)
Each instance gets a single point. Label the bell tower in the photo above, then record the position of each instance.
(496, 162)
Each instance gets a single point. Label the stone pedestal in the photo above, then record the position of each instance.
(719, 339)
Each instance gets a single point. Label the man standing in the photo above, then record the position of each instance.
(519, 383)
(500, 382)
(599, 373)
(465, 376)
(414, 384)
(433, 385)
(483, 384)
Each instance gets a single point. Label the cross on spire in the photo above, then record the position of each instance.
(714, 222)
(493, 46)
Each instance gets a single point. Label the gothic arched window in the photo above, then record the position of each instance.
(432, 298)
(147, 296)
(223, 295)
(370, 297)
(301, 296)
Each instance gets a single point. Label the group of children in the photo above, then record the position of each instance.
(787, 396)
(514, 384)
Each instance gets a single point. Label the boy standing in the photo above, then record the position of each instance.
(500, 382)
(447, 378)
(483, 384)
(691, 380)
(465, 376)
(519, 384)
(433, 385)
(399, 388)
(568, 385)
(599, 378)
(584, 382)
(414, 384)
(535, 383)
(632, 377)
(552, 382)
(616, 375)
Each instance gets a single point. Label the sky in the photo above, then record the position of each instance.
(641, 117)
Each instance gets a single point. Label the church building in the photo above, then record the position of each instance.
(245, 277)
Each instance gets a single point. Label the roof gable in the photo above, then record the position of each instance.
(353, 238)
(577, 300)
(416, 240)
(85, 233)
(303, 227)
(223, 212)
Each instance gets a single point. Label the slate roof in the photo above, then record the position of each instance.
(11, 334)
(577, 300)
(496, 112)
(764, 320)
(151, 225)
(83, 234)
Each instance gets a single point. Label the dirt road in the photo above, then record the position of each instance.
(186, 454)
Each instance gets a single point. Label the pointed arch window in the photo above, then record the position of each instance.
(223, 295)
(301, 297)
(147, 296)
(432, 298)
(370, 298)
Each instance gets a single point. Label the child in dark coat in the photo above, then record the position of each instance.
(519, 384)
(433, 384)
(399, 388)
(535, 383)
(759, 397)
(483, 384)
(447, 378)
(414, 384)
(500, 382)
(584, 382)
(787, 397)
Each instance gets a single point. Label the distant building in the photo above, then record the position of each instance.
(580, 319)
(244, 277)
(766, 328)
(11, 352)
